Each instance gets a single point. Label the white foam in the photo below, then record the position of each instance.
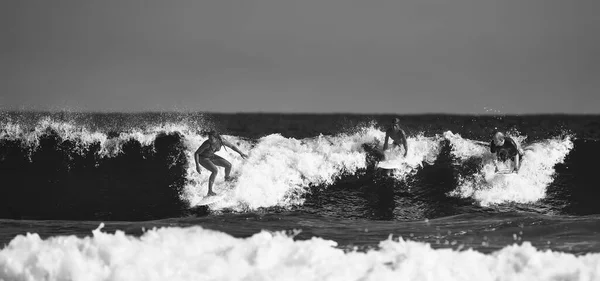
(80, 136)
(195, 253)
(83, 136)
(528, 186)
(147, 136)
(10, 131)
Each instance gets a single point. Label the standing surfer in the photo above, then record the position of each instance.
(205, 156)
(397, 135)
(506, 148)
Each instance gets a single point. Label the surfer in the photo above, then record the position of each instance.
(506, 148)
(397, 135)
(205, 156)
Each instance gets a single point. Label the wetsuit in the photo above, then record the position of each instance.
(506, 151)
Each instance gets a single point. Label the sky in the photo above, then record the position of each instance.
(312, 56)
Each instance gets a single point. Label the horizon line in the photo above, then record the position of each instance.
(291, 113)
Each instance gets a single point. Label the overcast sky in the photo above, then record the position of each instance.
(375, 56)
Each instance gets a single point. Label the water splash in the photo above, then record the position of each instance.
(528, 186)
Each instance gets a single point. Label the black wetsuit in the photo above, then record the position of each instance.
(506, 151)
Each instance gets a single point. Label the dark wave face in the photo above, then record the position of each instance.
(56, 179)
(78, 166)
(575, 189)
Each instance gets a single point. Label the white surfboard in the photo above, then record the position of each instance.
(501, 175)
(482, 143)
(389, 165)
(211, 199)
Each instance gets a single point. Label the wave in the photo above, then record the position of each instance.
(195, 253)
(57, 169)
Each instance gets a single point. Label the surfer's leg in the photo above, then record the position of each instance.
(207, 164)
(220, 161)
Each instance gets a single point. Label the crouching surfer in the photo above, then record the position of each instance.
(506, 148)
(397, 135)
(205, 156)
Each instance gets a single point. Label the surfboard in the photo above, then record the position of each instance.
(390, 159)
(505, 172)
(388, 165)
(224, 188)
(211, 199)
(501, 175)
(482, 143)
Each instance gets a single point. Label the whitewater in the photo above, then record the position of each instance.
(195, 253)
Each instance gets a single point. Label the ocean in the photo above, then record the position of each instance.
(114, 196)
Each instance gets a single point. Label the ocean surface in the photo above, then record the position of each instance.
(114, 196)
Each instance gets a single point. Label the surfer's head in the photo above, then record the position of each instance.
(395, 121)
(214, 137)
(499, 139)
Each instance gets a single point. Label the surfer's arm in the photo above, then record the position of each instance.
(199, 151)
(232, 146)
(517, 147)
(197, 160)
(387, 137)
(517, 166)
(404, 143)
(495, 163)
(492, 147)
(493, 150)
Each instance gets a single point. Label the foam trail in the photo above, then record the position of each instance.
(529, 185)
(195, 253)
